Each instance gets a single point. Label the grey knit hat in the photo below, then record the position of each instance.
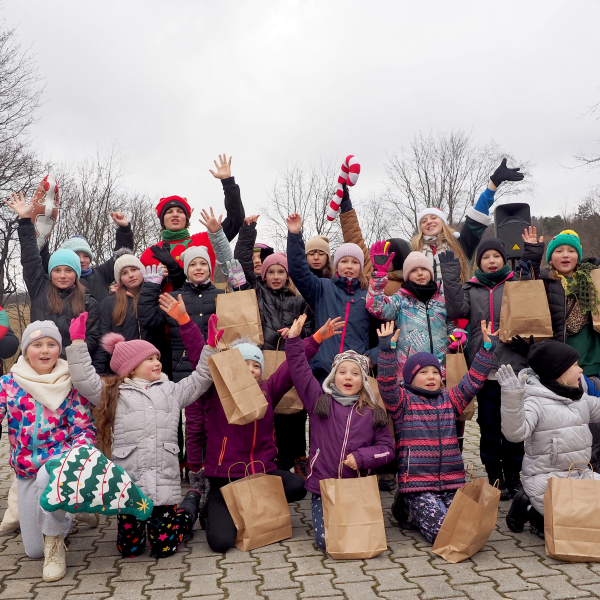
(126, 260)
(38, 330)
(195, 252)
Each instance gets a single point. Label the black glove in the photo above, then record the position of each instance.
(503, 173)
(385, 343)
(592, 260)
(346, 203)
(447, 257)
(521, 346)
(524, 268)
(165, 257)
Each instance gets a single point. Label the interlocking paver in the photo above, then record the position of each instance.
(309, 565)
(461, 572)
(417, 567)
(388, 581)
(558, 587)
(166, 579)
(277, 579)
(239, 572)
(271, 560)
(126, 590)
(201, 585)
(358, 591)
(435, 587)
(52, 593)
(18, 588)
(578, 573)
(530, 566)
(348, 572)
(205, 565)
(318, 586)
(241, 591)
(508, 580)
(481, 591)
(488, 561)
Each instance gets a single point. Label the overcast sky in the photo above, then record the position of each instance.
(175, 83)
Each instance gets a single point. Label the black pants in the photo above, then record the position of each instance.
(290, 437)
(498, 455)
(220, 529)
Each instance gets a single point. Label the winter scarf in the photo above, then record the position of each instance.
(86, 272)
(430, 249)
(572, 393)
(491, 280)
(581, 287)
(422, 392)
(174, 236)
(142, 383)
(424, 293)
(342, 398)
(49, 390)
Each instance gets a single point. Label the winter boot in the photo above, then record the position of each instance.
(199, 482)
(190, 506)
(536, 520)
(387, 482)
(518, 513)
(400, 510)
(494, 476)
(55, 563)
(513, 483)
(92, 520)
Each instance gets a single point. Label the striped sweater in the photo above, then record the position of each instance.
(429, 458)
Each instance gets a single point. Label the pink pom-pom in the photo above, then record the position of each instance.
(110, 340)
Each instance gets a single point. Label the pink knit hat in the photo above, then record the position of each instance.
(352, 250)
(126, 356)
(277, 258)
(415, 260)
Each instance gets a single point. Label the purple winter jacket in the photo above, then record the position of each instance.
(229, 444)
(345, 431)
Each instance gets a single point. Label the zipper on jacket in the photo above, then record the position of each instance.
(223, 446)
(429, 325)
(38, 415)
(345, 443)
(312, 463)
(252, 449)
(180, 359)
(345, 326)
(440, 443)
(407, 467)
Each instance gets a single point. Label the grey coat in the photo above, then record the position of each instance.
(146, 421)
(555, 430)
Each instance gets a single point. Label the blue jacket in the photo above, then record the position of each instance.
(330, 298)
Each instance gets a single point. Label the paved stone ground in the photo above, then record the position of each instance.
(509, 566)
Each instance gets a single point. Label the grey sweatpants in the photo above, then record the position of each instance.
(35, 521)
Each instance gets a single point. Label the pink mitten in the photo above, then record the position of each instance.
(380, 259)
(77, 327)
(457, 340)
(213, 336)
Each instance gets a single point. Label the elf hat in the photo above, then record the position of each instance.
(166, 203)
(277, 258)
(78, 243)
(65, 258)
(565, 238)
(126, 356)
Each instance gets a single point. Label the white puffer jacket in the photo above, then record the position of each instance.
(146, 422)
(555, 430)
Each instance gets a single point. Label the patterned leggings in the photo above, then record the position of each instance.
(428, 510)
(166, 528)
(318, 522)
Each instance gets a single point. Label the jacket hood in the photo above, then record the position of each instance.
(533, 387)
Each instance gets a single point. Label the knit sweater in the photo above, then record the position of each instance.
(429, 458)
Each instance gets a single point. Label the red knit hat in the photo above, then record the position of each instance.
(165, 203)
(126, 356)
(277, 258)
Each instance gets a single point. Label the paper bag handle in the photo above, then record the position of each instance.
(255, 461)
(470, 470)
(497, 484)
(239, 462)
(571, 468)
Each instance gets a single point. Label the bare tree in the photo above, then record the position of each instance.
(306, 190)
(373, 217)
(585, 159)
(446, 171)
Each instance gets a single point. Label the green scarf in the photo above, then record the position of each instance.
(581, 286)
(174, 236)
(491, 280)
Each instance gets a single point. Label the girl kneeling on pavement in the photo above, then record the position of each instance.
(46, 417)
(348, 429)
(142, 408)
(430, 465)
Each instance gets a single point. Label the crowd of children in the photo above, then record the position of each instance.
(116, 352)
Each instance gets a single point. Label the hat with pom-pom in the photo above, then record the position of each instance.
(126, 356)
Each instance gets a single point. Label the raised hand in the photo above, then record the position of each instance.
(210, 221)
(331, 328)
(508, 380)
(78, 326)
(487, 332)
(387, 337)
(503, 173)
(154, 274)
(164, 257)
(530, 237)
(19, 205)
(296, 328)
(380, 258)
(235, 274)
(251, 219)
(119, 218)
(447, 257)
(213, 335)
(294, 223)
(174, 308)
(224, 169)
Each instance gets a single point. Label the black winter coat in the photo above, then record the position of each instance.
(37, 283)
(278, 308)
(200, 302)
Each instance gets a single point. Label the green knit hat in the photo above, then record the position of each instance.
(565, 238)
(78, 244)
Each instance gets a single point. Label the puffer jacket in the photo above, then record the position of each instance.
(555, 431)
(37, 283)
(423, 327)
(146, 422)
(347, 429)
(330, 298)
(37, 433)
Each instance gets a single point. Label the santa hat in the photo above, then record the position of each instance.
(436, 212)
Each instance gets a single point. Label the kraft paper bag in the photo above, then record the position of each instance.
(290, 404)
(572, 518)
(469, 522)
(353, 517)
(525, 311)
(239, 316)
(595, 275)
(259, 510)
(456, 369)
(242, 399)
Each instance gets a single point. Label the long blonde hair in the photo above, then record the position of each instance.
(446, 238)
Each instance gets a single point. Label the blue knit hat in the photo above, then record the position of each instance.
(251, 352)
(565, 238)
(65, 258)
(416, 362)
(78, 244)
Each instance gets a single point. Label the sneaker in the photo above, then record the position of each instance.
(301, 467)
(55, 563)
(518, 513)
(387, 482)
(92, 520)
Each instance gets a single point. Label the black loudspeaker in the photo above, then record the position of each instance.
(510, 221)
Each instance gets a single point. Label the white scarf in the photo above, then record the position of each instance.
(49, 390)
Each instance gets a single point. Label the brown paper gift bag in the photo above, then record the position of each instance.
(572, 518)
(353, 517)
(239, 317)
(290, 404)
(469, 522)
(525, 311)
(595, 275)
(259, 510)
(242, 399)
(456, 369)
